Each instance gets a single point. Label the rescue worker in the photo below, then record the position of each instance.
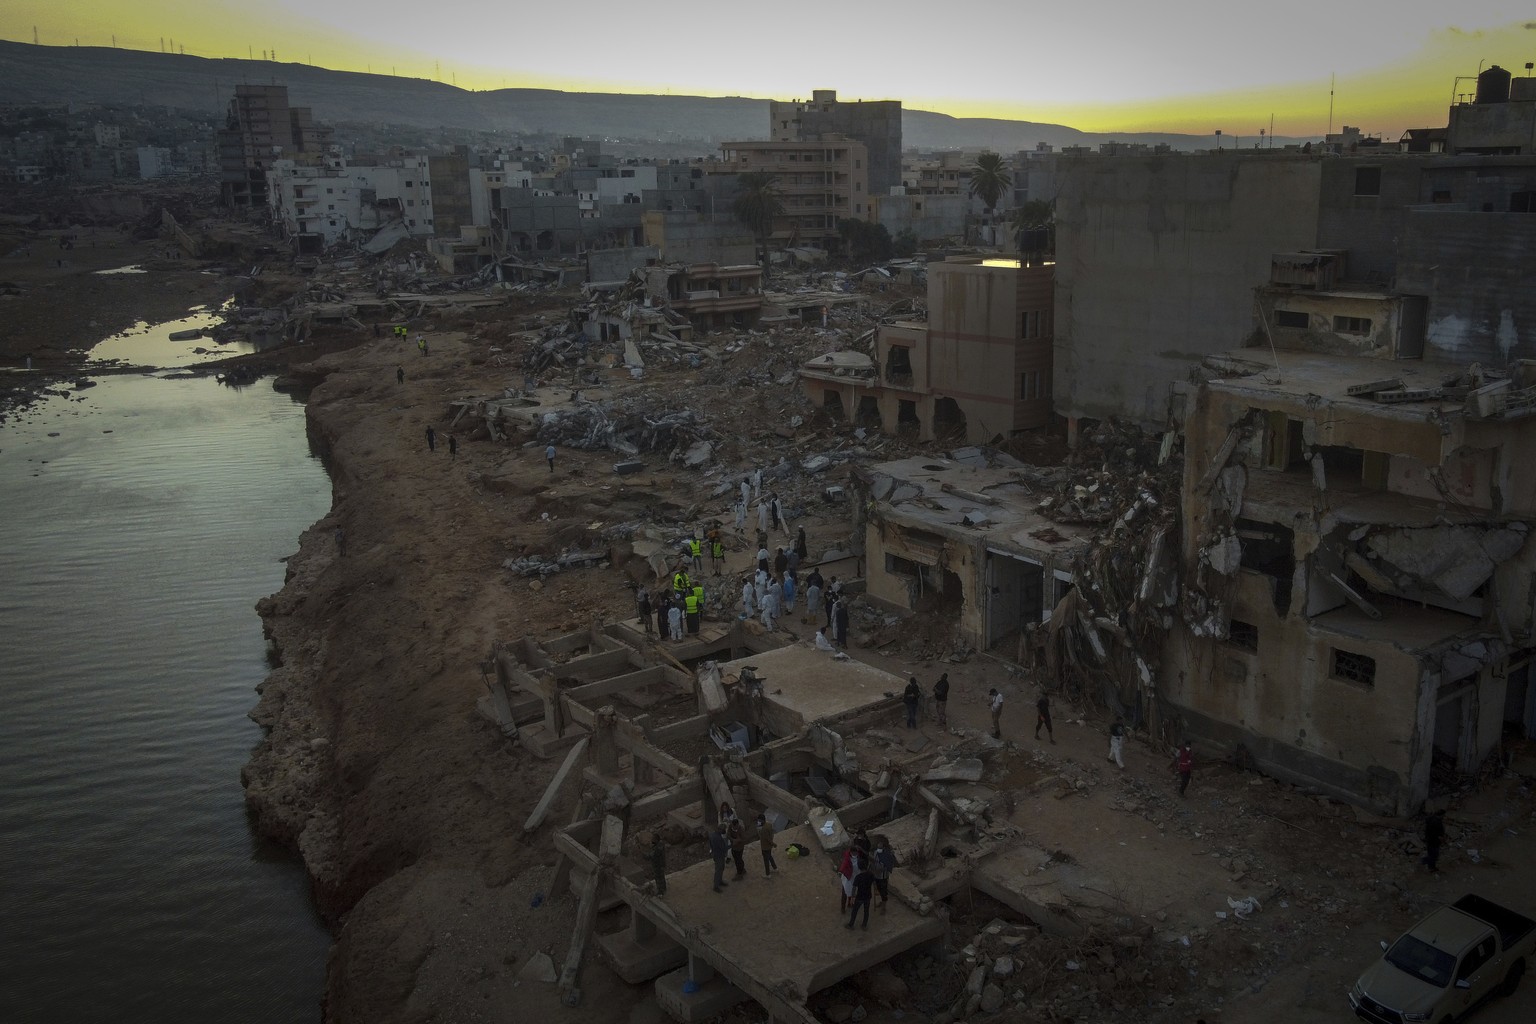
(696, 555)
(716, 550)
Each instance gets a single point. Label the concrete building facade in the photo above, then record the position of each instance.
(820, 183)
(875, 123)
(978, 369)
(1357, 611)
(261, 128)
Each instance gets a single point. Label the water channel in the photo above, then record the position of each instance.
(143, 519)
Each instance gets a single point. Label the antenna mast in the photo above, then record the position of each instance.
(1331, 79)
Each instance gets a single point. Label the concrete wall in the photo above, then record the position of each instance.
(1157, 262)
(927, 217)
(615, 264)
(1379, 340)
(1475, 269)
(976, 345)
(695, 238)
(1488, 126)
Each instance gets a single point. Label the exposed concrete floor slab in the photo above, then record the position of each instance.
(812, 684)
(788, 927)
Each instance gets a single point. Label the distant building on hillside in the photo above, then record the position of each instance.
(875, 123)
(260, 129)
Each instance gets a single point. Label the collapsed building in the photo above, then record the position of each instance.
(1357, 611)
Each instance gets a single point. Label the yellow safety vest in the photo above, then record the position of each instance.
(694, 548)
(692, 604)
(680, 582)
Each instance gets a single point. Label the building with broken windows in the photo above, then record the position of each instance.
(1357, 593)
(820, 181)
(959, 539)
(978, 369)
(261, 128)
(316, 205)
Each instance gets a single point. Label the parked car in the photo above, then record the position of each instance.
(1447, 965)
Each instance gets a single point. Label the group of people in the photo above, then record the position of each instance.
(729, 837)
(679, 609)
(770, 510)
(864, 871)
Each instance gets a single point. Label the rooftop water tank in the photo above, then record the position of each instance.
(1493, 85)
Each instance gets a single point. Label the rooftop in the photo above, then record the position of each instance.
(813, 685)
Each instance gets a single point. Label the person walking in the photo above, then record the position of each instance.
(788, 588)
(780, 562)
(845, 872)
(1184, 764)
(549, 456)
(766, 846)
(911, 697)
(341, 542)
(399, 375)
(1117, 742)
(941, 699)
(769, 599)
(719, 846)
(741, 517)
(995, 705)
(748, 606)
(863, 885)
(882, 861)
(453, 447)
(1043, 717)
(812, 600)
(762, 517)
(776, 514)
(659, 862)
(1434, 836)
(746, 492)
(801, 547)
(643, 608)
(431, 439)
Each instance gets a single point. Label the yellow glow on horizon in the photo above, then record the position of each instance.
(1147, 75)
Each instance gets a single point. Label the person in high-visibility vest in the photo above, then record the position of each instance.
(696, 553)
(716, 550)
(691, 605)
(680, 583)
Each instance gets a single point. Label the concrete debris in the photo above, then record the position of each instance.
(532, 565)
(1455, 560)
(965, 770)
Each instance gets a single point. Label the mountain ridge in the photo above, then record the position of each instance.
(33, 74)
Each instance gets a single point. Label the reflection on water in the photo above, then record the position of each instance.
(136, 542)
(146, 344)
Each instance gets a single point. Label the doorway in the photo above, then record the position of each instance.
(1015, 597)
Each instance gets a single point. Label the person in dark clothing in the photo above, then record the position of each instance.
(766, 844)
(815, 580)
(643, 608)
(341, 542)
(1043, 706)
(431, 439)
(882, 861)
(1184, 764)
(663, 605)
(399, 375)
(941, 698)
(863, 885)
(737, 835)
(780, 563)
(802, 548)
(840, 623)
(719, 846)
(659, 863)
(1434, 837)
(453, 446)
(911, 696)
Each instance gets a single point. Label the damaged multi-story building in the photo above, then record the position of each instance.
(978, 369)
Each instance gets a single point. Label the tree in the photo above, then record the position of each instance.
(990, 179)
(1034, 225)
(757, 205)
(905, 243)
(865, 242)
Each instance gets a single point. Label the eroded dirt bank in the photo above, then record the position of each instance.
(406, 807)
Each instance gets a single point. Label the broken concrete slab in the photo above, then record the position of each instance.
(540, 967)
(967, 769)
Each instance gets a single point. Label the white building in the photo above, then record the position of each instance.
(154, 162)
(318, 205)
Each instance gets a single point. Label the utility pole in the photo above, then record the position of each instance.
(34, 35)
(1331, 80)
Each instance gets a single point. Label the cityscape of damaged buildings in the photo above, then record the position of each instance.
(1297, 385)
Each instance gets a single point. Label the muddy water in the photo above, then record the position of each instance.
(135, 543)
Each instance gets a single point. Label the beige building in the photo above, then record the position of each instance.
(978, 369)
(958, 538)
(1357, 604)
(820, 182)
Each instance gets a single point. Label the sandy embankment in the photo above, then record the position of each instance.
(406, 807)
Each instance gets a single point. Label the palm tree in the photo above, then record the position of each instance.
(989, 180)
(757, 205)
(1031, 218)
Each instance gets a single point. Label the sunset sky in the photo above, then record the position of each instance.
(1182, 65)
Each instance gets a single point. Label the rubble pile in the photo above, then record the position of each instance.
(629, 427)
(1107, 632)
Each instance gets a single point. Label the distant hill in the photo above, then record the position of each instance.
(91, 75)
